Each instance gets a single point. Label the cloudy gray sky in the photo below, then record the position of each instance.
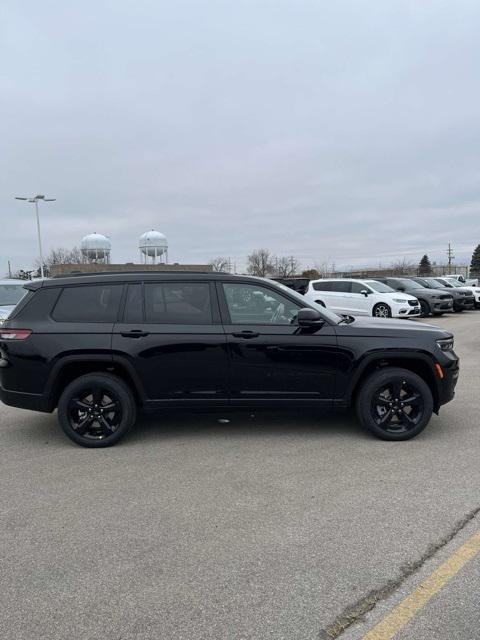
(345, 131)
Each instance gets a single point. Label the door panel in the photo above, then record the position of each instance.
(275, 361)
(174, 362)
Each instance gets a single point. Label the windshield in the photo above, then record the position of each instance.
(379, 286)
(452, 283)
(11, 293)
(409, 284)
(333, 317)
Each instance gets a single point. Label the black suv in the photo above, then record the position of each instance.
(98, 347)
(432, 302)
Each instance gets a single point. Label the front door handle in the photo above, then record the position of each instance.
(246, 334)
(135, 333)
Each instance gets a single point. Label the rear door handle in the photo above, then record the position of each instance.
(135, 333)
(246, 334)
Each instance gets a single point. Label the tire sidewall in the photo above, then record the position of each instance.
(378, 379)
(109, 382)
(382, 304)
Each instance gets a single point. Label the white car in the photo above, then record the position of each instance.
(469, 282)
(11, 292)
(362, 298)
(454, 283)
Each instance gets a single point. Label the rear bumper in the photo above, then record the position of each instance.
(30, 401)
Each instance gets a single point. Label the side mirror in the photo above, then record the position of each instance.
(365, 292)
(310, 318)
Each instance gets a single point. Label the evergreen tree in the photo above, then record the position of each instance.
(425, 266)
(475, 264)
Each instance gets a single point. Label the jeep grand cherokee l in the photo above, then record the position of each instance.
(99, 347)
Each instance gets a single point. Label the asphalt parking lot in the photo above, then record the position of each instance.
(268, 527)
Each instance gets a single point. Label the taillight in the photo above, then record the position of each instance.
(14, 334)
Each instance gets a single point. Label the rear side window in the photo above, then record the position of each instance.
(92, 303)
(322, 286)
(134, 304)
(341, 287)
(178, 303)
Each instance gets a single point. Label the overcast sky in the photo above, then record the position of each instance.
(346, 132)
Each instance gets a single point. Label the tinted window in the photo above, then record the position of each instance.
(178, 303)
(134, 304)
(322, 286)
(92, 303)
(340, 286)
(358, 287)
(251, 304)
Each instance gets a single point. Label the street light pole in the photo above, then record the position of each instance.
(35, 200)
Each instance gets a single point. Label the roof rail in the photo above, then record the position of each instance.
(81, 274)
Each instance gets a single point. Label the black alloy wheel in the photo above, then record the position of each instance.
(96, 410)
(382, 310)
(395, 404)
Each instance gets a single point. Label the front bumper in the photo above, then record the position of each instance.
(467, 302)
(446, 386)
(442, 306)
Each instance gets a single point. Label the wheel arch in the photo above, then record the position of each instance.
(417, 363)
(71, 367)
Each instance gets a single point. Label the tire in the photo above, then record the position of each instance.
(425, 307)
(379, 412)
(82, 414)
(381, 310)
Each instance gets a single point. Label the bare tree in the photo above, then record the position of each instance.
(220, 264)
(402, 267)
(287, 267)
(62, 256)
(261, 263)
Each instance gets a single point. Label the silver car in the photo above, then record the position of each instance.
(11, 292)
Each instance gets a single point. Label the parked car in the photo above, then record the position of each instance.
(431, 302)
(11, 292)
(472, 282)
(462, 299)
(362, 298)
(297, 284)
(453, 283)
(99, 347)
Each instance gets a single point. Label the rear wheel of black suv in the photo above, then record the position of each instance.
(96, 410)
(394, 404)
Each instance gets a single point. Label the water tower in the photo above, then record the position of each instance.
(95, 248)
(153, 247)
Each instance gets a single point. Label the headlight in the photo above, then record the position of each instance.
(400, 300)
(445, 344)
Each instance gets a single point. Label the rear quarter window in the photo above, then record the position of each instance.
(92, 303)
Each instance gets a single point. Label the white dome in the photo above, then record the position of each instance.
(95, 246)
(153, 243)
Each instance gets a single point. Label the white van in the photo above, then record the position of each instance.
(362, 298)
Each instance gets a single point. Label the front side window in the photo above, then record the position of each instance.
(92, 303)
(178, 303)
(379, 286)
(360, 287)
(253, 304)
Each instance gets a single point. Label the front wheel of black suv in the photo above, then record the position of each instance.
(394, 404)
(425, 308)
(96, 410)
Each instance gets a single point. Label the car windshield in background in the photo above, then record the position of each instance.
(379, 286)
(333, 317)
(452, 282)
(409, 284)
(11, 293)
